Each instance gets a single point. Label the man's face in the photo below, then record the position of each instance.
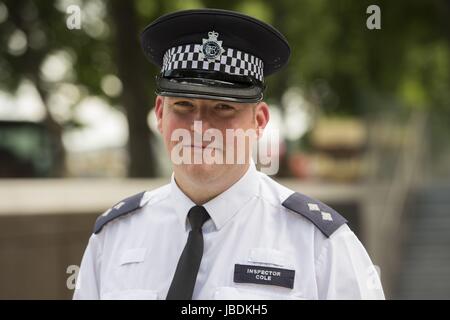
(201, 122)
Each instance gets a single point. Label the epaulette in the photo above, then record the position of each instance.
(121, 208)
(324, 217)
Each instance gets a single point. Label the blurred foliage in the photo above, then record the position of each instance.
(342, 67)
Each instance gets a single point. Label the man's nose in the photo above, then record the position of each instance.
(201, 122)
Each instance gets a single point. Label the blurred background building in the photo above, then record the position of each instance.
(363, 116)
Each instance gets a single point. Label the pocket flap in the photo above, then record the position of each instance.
(133, 256)
(269, 256)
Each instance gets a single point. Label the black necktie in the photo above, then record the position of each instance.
(183, 281)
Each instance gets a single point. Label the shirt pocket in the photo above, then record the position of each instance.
(132, 294)
(135, 255)
(269, 256)
(232, 293)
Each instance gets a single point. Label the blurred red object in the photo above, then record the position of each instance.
(299, 165)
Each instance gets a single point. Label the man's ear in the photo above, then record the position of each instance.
(262, 116)
(159, 107)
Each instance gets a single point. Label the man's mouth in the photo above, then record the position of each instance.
(203, 147)
(200, 147)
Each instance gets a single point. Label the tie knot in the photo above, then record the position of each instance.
(197, 217)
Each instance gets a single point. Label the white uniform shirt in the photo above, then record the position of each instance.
(135, 255)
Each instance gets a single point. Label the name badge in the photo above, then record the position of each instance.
(264, 275)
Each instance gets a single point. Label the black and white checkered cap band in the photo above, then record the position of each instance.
(232, 61)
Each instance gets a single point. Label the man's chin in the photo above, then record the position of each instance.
(201, 172)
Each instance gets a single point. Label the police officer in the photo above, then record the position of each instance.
(220, 230)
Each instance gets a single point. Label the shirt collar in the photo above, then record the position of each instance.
(223, 207)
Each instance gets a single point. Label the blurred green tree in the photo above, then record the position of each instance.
(107, 44)
(342, 67)
(342, 64)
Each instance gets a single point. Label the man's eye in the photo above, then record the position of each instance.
(224, 107)
(183, 106)
(183, 103)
